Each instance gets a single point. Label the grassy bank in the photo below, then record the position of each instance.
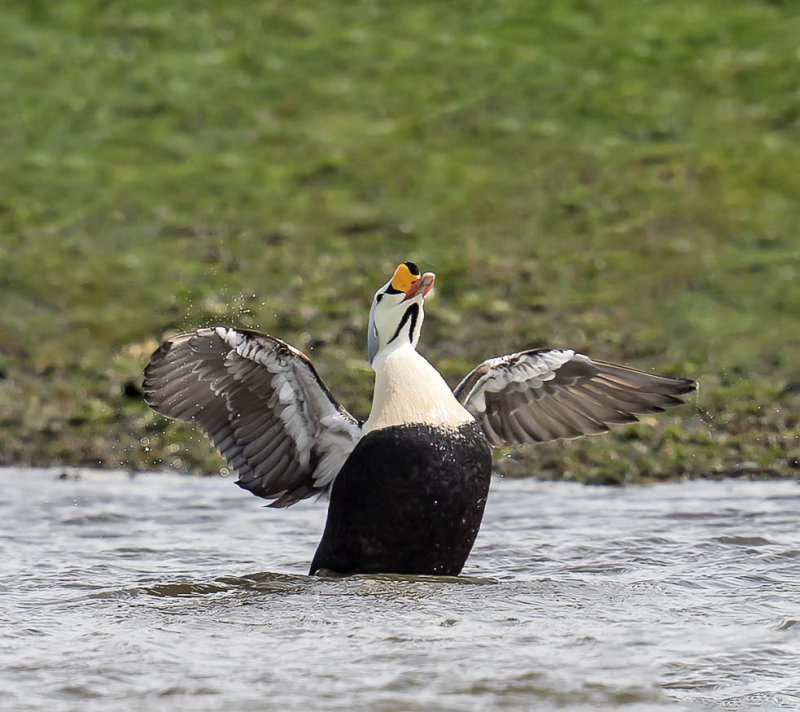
(617, 179)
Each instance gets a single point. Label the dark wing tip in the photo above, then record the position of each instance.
(685, 385)
(283, 498)
(157, 359)
(160, 353)
(677, 387)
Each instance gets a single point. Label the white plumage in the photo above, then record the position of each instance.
(409, 390)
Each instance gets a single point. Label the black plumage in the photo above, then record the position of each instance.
(408, 500)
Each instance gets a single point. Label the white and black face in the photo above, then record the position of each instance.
(396, 314)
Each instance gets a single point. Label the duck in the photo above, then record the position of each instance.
(406, 488)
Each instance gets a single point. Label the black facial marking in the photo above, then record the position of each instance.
(411, 313)
(412, 267)
(378, 297)
(414, 317)
(391, 290)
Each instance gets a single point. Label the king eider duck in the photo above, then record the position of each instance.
(408, 486)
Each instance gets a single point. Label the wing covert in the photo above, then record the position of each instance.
(547, 394)
(261, 403)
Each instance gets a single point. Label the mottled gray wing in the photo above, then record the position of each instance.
(546, 394)
(261, 402)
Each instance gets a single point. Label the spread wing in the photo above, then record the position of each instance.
(261, 402)
(546, 394)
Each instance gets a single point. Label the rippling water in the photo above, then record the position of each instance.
(162, 592)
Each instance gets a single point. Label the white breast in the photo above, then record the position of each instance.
(409, 390)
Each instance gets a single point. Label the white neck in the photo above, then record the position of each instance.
(409, 390)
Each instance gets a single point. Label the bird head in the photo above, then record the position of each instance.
(396, 314)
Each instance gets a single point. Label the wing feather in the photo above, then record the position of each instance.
(548, 394)
(262, 404)
(562, 427)
(582, 422)
(491, 433)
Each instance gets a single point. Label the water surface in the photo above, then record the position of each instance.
(163, 592)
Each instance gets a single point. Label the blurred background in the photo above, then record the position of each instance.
(621, 179)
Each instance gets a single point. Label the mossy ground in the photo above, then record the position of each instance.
(617, 178)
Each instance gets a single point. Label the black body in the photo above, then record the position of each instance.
(408, 500)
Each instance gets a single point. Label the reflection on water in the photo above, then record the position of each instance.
(164, 592)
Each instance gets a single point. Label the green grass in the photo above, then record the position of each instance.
(618, 178)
